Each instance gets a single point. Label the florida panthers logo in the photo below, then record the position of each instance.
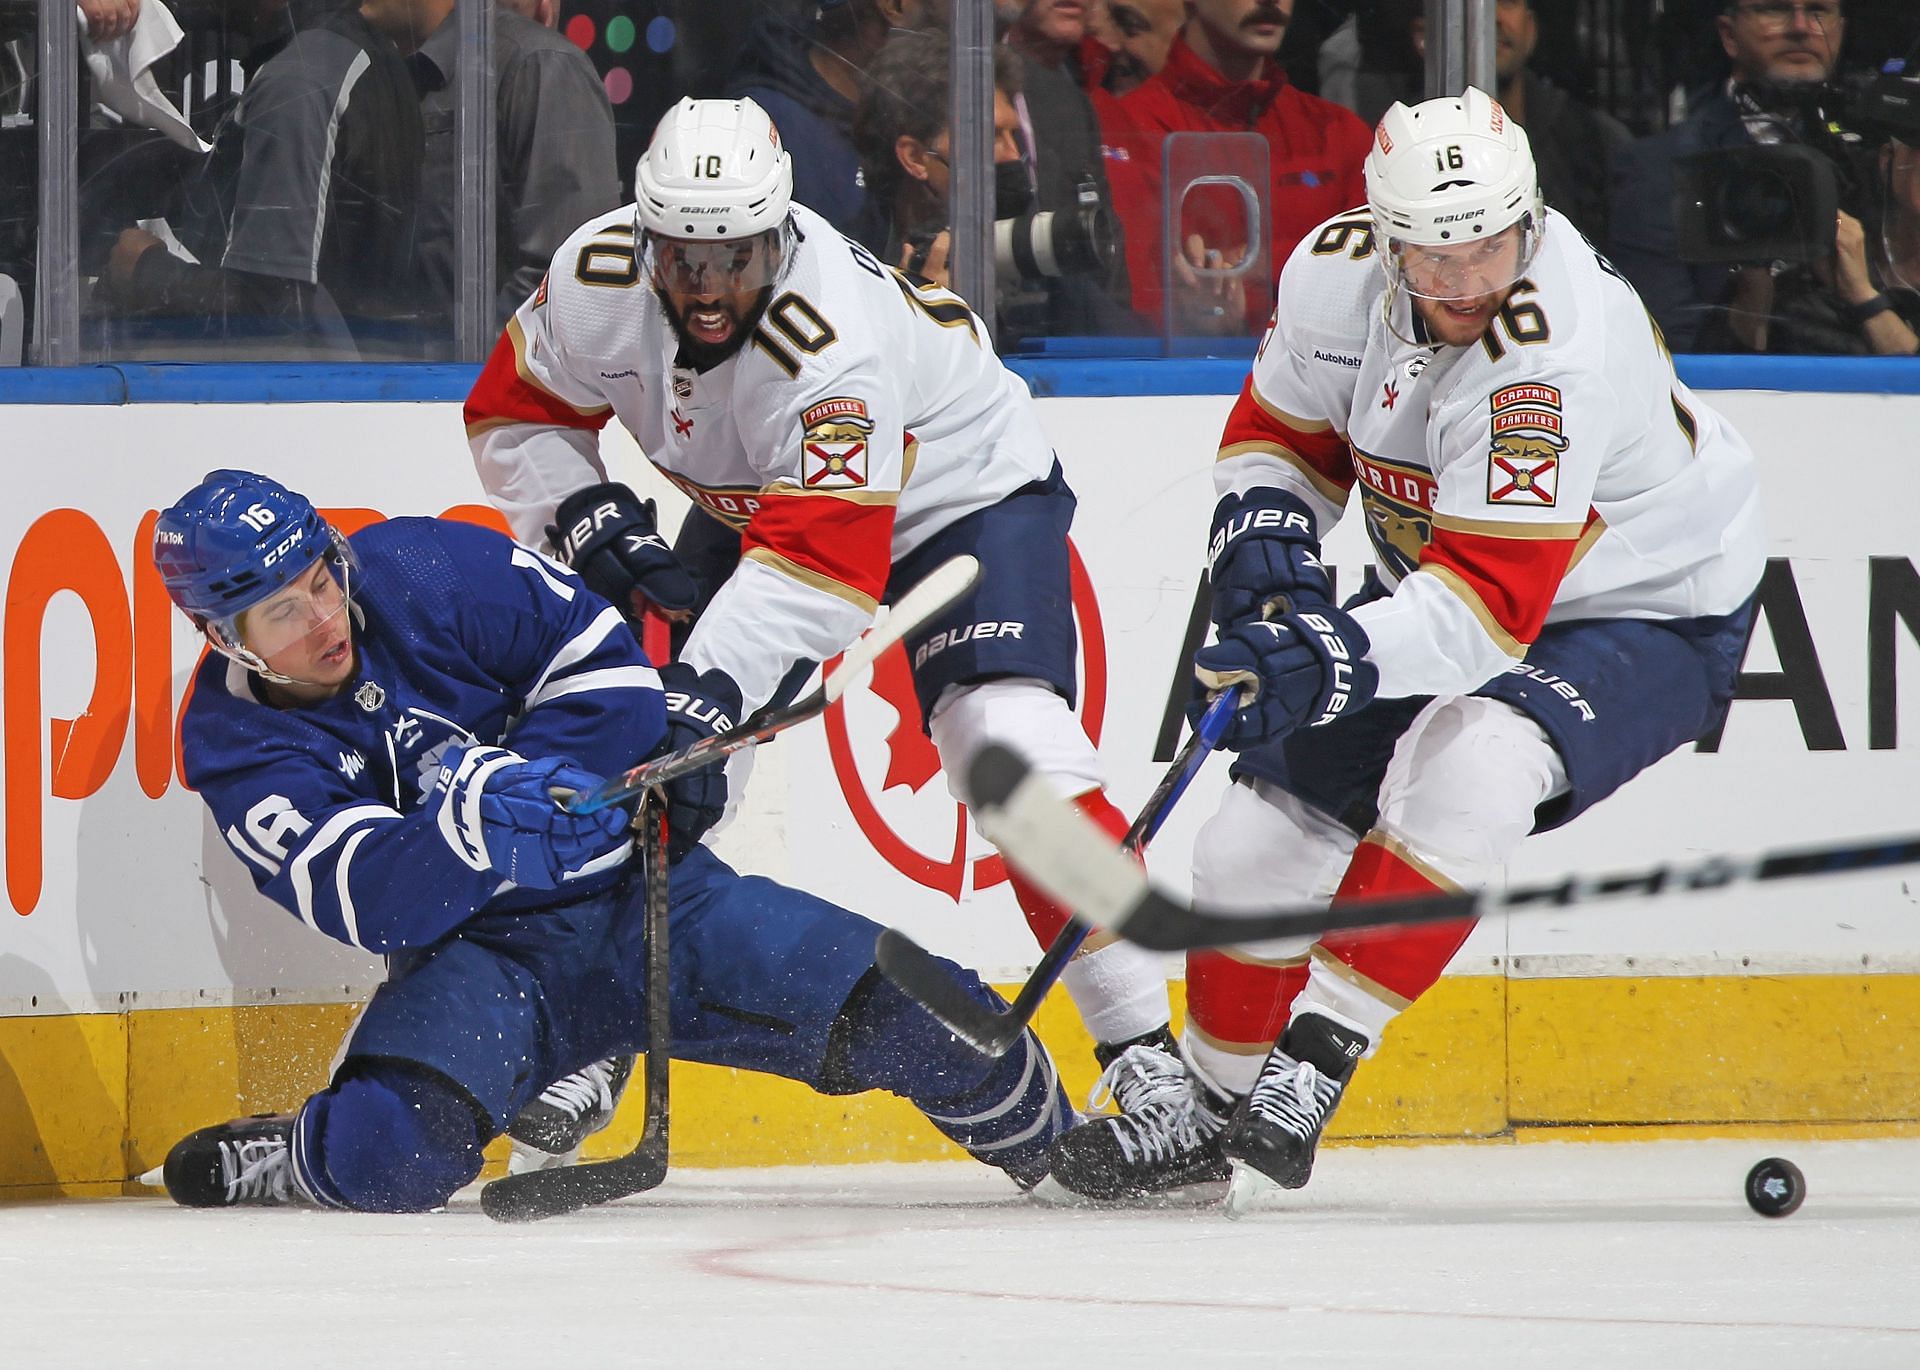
(1523, 463)
(833, 445)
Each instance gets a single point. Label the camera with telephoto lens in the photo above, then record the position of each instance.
(1777, 202)
(1050, 243)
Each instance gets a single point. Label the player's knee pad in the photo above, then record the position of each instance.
(1461, 790)
(1020, 712)
(389, 1138)
(1264, 846)
(1006, 1110)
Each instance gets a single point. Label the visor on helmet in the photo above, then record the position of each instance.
(1464, 270)
(705, 267)
(305, 605)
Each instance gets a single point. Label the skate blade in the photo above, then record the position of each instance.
(1248, 1192)
(1206, 1194)
(524, 1158)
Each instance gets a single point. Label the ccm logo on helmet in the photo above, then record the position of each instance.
(291, 541)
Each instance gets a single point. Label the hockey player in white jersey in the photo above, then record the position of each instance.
(1566, 544)
(855, 428)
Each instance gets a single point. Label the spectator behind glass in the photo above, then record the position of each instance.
(1220, 77)
(554, 131)
(303, 217)
(1127, 41)
(1784, 54)
(901, 131)
(1060, 136)
(1574, 147)
(808, 75)
(1876, 270)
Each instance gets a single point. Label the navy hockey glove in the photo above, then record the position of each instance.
(1305, 669)
(609, 535)
(497, 810)
(698, 705)
(1263, 548)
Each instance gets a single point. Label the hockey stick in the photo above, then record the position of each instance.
(1073, 861)
(928, 979)
(537, 1194)
(942, 586)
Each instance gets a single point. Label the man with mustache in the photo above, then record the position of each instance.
(1566, 545)
(1221, 77)
(853, 427)
(1784, 54)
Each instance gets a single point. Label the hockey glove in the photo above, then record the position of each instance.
(498, 812)
(698, 705)
(609, 535)
(1262, 549)
(1305, 670)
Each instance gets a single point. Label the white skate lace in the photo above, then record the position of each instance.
(1296, 1097)
(258, 1170)
(1160, 1113)
(582, 1092)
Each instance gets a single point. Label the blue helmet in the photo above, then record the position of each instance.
(234, 539)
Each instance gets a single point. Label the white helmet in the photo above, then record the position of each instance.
(714, 170)
(1448, 172)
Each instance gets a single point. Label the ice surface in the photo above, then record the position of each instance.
(1551, 1256)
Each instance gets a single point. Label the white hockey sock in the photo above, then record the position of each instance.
(1120, 990)
(1228, 1072)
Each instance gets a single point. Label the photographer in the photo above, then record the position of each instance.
(1876, 268)
(1052, 270)
(1784, 54)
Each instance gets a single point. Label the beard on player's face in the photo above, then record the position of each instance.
(741, 310)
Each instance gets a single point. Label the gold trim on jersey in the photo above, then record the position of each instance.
(793, 570)
(1470, 597)
(716, 499)
(1293, 421)
(1587, 541)
(1323, 487)
(1373, 989)
(517, 336)
(787, 488)
(1501, 528)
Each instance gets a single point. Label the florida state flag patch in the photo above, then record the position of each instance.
(1523, 465)
(833, 444)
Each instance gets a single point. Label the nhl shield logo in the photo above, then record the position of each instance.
(370, 697)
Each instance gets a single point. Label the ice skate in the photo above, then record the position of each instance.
(551, 1129)
(1165, 1138)
(246, 1161)
(1273, 1136)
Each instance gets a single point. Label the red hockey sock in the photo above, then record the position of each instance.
(1045, 917)
(1405, 961)
(1238, 1004)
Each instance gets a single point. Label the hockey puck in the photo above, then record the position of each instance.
(1775, 1187)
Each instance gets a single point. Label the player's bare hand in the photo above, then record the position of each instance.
(108, 19)
(128, 248)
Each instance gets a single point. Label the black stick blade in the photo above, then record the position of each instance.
(929, 980)
(538, 1194)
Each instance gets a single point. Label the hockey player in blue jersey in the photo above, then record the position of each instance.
(378, 733)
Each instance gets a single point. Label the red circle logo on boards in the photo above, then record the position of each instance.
(929, 846)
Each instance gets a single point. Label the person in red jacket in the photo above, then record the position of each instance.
(1221, 77)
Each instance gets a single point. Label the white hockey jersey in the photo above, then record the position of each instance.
(865, 414)
(1555, 470)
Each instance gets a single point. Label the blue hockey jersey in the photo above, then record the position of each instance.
(464, 636)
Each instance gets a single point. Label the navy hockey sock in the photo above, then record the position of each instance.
(388, 1139)
(1006, 1111)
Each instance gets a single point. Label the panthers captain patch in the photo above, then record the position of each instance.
(1523, 465)
(833, 444)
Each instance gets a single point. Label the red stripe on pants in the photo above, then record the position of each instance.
(1404, 960)
(1045, 917)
